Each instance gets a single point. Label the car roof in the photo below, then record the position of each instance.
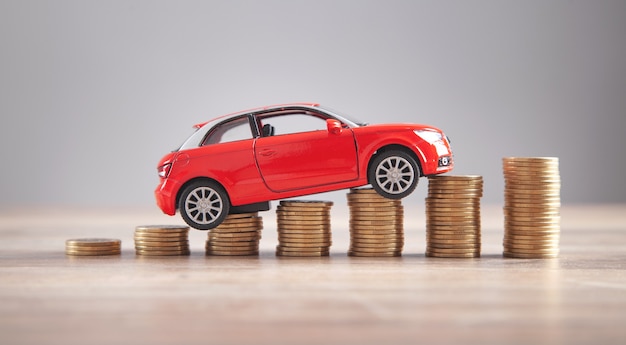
(254, 110)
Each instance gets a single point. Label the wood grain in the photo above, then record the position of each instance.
(49, 298)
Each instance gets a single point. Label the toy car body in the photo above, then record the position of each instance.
(241, 161)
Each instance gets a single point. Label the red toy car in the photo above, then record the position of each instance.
(239, 162)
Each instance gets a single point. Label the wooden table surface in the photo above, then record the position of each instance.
(47, 297)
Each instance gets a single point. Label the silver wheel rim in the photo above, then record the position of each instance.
(394, 175)
(203, 205)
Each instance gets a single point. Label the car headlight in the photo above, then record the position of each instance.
(428, 135)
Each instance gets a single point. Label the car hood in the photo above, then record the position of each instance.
(392, 127)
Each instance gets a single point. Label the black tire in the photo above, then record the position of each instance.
(393, 174)
(204, 205)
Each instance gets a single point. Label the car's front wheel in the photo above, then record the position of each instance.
(204, 205)
(393, 174)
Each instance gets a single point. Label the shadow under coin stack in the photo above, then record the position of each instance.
(376, 224)
(532, 204)
(453, 216)
(93, 247)
(162, 240)
(303, 228)
(239, 234)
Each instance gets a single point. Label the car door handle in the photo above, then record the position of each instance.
(267, 153)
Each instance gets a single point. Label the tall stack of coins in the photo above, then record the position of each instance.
(161, 240)
(453, 216)
(532, 201)
(239, 234)
(376, 224)
(303, 228)
(93, 246)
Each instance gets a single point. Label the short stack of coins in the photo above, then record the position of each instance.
(238, 234)
(453, 216)
(161, 240)
(532, 201)
(303, 228)
(376, 224)
(93, 246)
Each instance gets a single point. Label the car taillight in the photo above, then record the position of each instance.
(164, 170)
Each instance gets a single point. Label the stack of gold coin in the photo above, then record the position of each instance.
(93, 246)
(239, 234)
(532, 201)
(161, 240)
(453, 216)
(376, 224)
(303, 228)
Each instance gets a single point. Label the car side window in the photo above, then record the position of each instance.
(234, 130)
(293, 123)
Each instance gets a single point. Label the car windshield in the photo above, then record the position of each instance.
(352, 122)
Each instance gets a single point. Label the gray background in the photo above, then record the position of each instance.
(93, 93)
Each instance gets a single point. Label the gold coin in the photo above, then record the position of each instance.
(388, 253)
(454, 251)
(241, 223)
(380, 246)
(458, 240)
(161, 253)
(459, 244)
(376, 229)
(449, 202)
(304, 238)
(93, 252)
(389, 236)
(303, 209)
(236, 236)
(530, 256)
(161, 234)
(448, 230)
(302, 254)
(308, 219)
(454, 196)
(161, 243)
(306, 203)
(302, 213)
(384, 204)
(93, 242)
(240, 247)
(513, 247)
(321, 249)
(549, 238)
(452, 256)
(378, 242)
(312, 231)
(532, 211)
(364, 219)
(231, 243)
(454, 239)
(367, 198)
(217, 252)
(359, 249)
(455, 178)
(476, 193)
(242, 215)
(303, 245)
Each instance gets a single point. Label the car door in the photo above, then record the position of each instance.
(302, 153)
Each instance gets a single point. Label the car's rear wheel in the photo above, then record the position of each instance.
(204, 205)
(393, 174)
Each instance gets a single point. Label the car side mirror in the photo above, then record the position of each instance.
(333, 126)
